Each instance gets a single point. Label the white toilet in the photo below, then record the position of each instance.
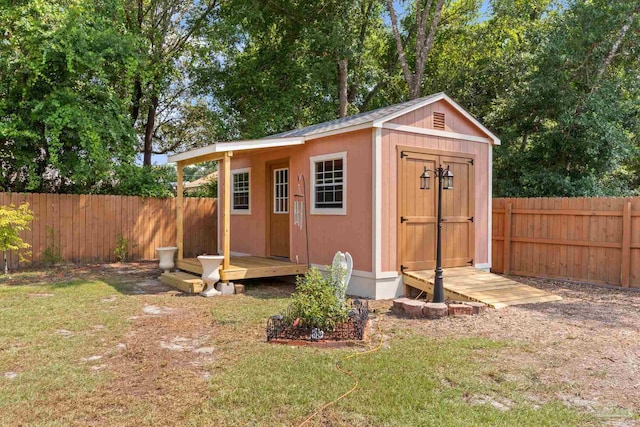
(210, 273)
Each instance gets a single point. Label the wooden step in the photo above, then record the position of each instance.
(183, 281)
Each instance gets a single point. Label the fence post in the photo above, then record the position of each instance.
(507, 239)
(626, 244)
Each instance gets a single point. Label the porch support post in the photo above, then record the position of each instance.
(180, 212)
(226, 215)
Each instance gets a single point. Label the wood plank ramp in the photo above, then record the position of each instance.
(247, 267)
(471, 284)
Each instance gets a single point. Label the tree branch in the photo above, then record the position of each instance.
(196, 26)
(421, 23)
(408, 76)
(614, 47)
(423, 50)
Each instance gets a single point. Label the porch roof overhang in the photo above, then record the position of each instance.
(216, 151)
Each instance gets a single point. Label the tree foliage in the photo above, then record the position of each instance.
(279, 61)
(166, 111)
(89, 85)
(63, 125)
(570, 123)
(14, 220)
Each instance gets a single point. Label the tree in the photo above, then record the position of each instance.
(163, 103)
(63, 110)
(13, 220)
(570, 125)
(427, 19)
(478, 60)
(286, 64)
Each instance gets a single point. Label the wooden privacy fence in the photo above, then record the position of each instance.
(594, 240)
(85, 228)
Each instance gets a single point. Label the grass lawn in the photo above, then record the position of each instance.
(91, 352)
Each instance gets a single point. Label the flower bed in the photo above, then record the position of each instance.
(280, 328)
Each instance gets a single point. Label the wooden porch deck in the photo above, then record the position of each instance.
(470, 284)
(247, 267)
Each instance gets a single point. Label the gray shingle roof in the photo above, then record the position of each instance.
(358, 119)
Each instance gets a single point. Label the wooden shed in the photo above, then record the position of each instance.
(353, 185)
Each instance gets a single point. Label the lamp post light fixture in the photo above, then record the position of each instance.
(445, 182)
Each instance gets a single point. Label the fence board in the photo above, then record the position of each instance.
(586, 239)
(86, 226)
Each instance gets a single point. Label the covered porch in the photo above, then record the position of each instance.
(247, 267)
(233, 267)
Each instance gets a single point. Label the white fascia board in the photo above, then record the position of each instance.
(490, 208)
(441, 96)
(496, 140)
(377, 200)
(250, 144)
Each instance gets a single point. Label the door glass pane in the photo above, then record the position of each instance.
(281, 191)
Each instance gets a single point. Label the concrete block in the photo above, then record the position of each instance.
(478, 307)
(460, 310)
(413, 308)
(226, 288)
(435, 310)
(239, 288)
(398, 306)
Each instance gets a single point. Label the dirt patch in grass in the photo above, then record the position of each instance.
(163, 363)
(148, 355)
(583, 350)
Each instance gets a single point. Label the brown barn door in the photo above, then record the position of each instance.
(458, 238)
(417, 210)
(279, 210)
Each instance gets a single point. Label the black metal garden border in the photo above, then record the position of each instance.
(353, 329)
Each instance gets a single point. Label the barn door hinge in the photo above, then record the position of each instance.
(403, 268)
(403, 219)
(471, 219)
(470, 262)
(471, 162)
(403, 155)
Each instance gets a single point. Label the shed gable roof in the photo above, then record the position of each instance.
(384, 114)
(376, 118)
(368, 119)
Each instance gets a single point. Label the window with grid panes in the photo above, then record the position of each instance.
(329, 184)
(241, 191)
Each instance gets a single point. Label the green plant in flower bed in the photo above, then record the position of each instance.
(315, 303)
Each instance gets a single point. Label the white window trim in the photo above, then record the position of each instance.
(312, 173)
(240, 211)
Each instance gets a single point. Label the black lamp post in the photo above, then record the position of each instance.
(445, 182)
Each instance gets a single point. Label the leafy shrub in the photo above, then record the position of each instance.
(316, 303)
(122, 248)
(209, 189)
(51, 254)
(13, 220)
(146, 181)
